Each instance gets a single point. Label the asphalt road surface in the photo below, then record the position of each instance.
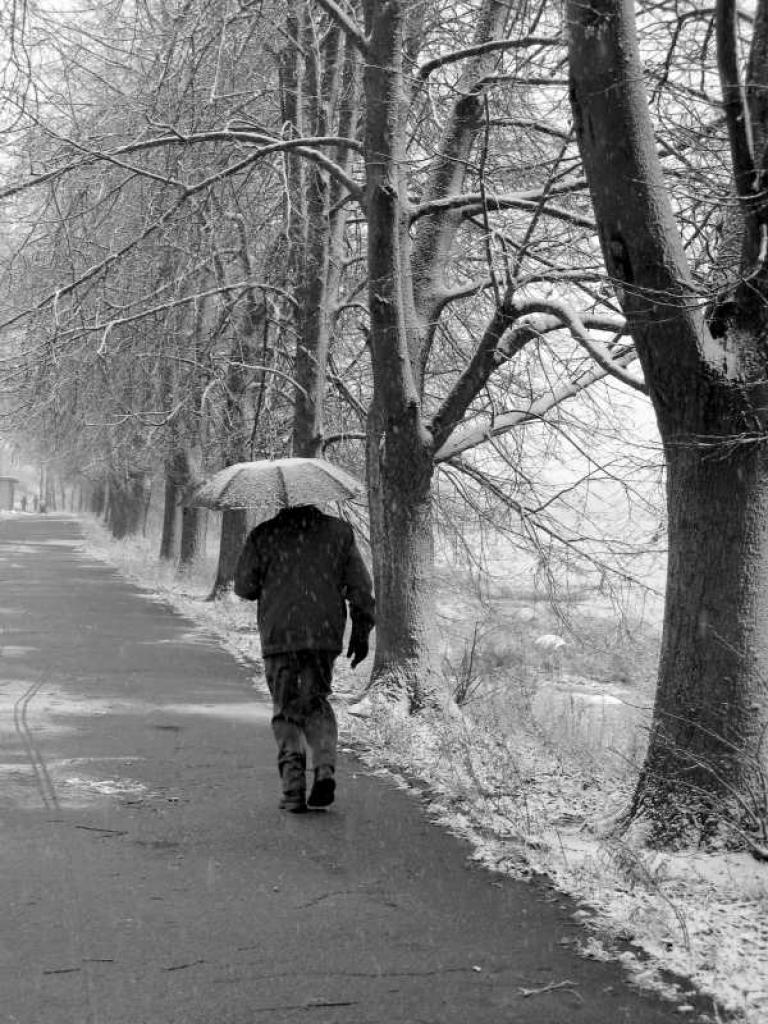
(148, 876)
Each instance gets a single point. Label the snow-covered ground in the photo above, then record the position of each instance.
(527, 774)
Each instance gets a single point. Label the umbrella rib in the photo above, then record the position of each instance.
(283, 488)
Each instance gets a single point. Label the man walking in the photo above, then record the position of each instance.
(304, 567)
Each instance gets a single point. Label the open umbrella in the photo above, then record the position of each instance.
(272, 484)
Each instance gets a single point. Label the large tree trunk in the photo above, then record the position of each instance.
(127, 506)
(178, 478)
(234, 529)
(100, 499)
(194, 531)
(400, 501)
(399, 448)
(407, 283)
(171, 516)
(704, 777)
(705, 771)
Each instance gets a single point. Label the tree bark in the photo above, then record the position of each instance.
(181, 526)
(328, 67)
(100, 498)
(704, 777)
(194, 521)
(171, 514)
(240, 427)
(407, 286)
(234, 529)
(399, 448)
(194, 530)
(400, 472)
(127, 506)
(312, 338)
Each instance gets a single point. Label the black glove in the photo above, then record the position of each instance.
(358, 643)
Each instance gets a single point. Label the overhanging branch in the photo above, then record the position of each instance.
(575, 325)
(471, 204)
(491, 46)
(308, 147)
(471, 437)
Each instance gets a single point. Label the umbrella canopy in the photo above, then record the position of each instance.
(272, 484)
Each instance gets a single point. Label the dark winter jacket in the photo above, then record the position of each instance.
(302, 566)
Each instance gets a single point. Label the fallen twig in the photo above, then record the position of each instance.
(526, 992)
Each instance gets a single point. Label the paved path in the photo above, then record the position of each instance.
(149, 878)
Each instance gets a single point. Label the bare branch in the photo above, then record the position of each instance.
(495, 349)
(471, 204)
(734, 103)
(472, 437)
(349, 435)
(98, 268)
(756, 89)
(307, 147)
(235, 286)
(436, 234)
(484, 361)
(352, 30)
(531, 125)
(532, 520)
(575, 325)
(493, 45)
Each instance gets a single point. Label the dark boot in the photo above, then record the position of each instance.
(293, 801)
(323, 789)
(294, 780)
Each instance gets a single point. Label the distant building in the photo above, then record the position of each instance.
(7, 485)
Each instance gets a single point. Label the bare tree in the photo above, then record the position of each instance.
(413, 282)
(703, 355)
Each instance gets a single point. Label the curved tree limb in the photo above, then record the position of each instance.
(575, 325)
(349, 435)
(472, 204)
(479, 49)
(248, 284)
(307, 147)
(471, 437)
(524, 320)
(477, 373)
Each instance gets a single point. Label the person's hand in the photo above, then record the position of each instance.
(358, 644)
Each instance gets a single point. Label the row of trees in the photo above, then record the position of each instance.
(374, 231)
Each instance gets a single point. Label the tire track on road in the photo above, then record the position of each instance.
(49, 797)
(43, 779)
